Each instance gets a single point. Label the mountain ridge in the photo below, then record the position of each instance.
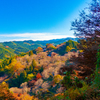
(17, 47)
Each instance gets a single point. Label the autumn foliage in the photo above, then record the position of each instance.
(39, 49)
(5, 94)
(38, 76)
(50, 46)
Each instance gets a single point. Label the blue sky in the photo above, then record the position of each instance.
(38, 19)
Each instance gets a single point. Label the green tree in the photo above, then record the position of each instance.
(30, 53)
(67, 81)
(19, 79)
(97, 71)
(33, 65)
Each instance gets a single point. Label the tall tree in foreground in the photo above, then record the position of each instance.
(88, 28)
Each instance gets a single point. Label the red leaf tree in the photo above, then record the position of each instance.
(38, 76)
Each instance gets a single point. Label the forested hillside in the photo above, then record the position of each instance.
(9, 49)
(47, 75)
(34, 74)
(66, 71)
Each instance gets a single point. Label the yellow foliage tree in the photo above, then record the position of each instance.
(26, 97)
(13, 62)
(18, 65)
(10, 66)
(30, 76)
(68, 49)
(58, 78)
(80, 51)
(14, 66)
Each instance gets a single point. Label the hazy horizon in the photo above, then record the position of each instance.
(37, 39)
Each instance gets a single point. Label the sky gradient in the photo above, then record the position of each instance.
(38, 19)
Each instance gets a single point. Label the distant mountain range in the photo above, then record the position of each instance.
(8, 49)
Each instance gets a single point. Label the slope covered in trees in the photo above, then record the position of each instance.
(6, 53)
(9, 49)
(33, 72)
(42, 77)
(66, 47)
(72, 76)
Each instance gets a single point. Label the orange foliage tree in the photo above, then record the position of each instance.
(50, 46)
(39, 49)
(18, 65)
(5, 94)
(38, 76)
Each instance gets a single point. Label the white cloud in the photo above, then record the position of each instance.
(21, 35)
(32, 36)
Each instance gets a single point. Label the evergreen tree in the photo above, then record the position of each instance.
(30, 53)
(33, 65)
